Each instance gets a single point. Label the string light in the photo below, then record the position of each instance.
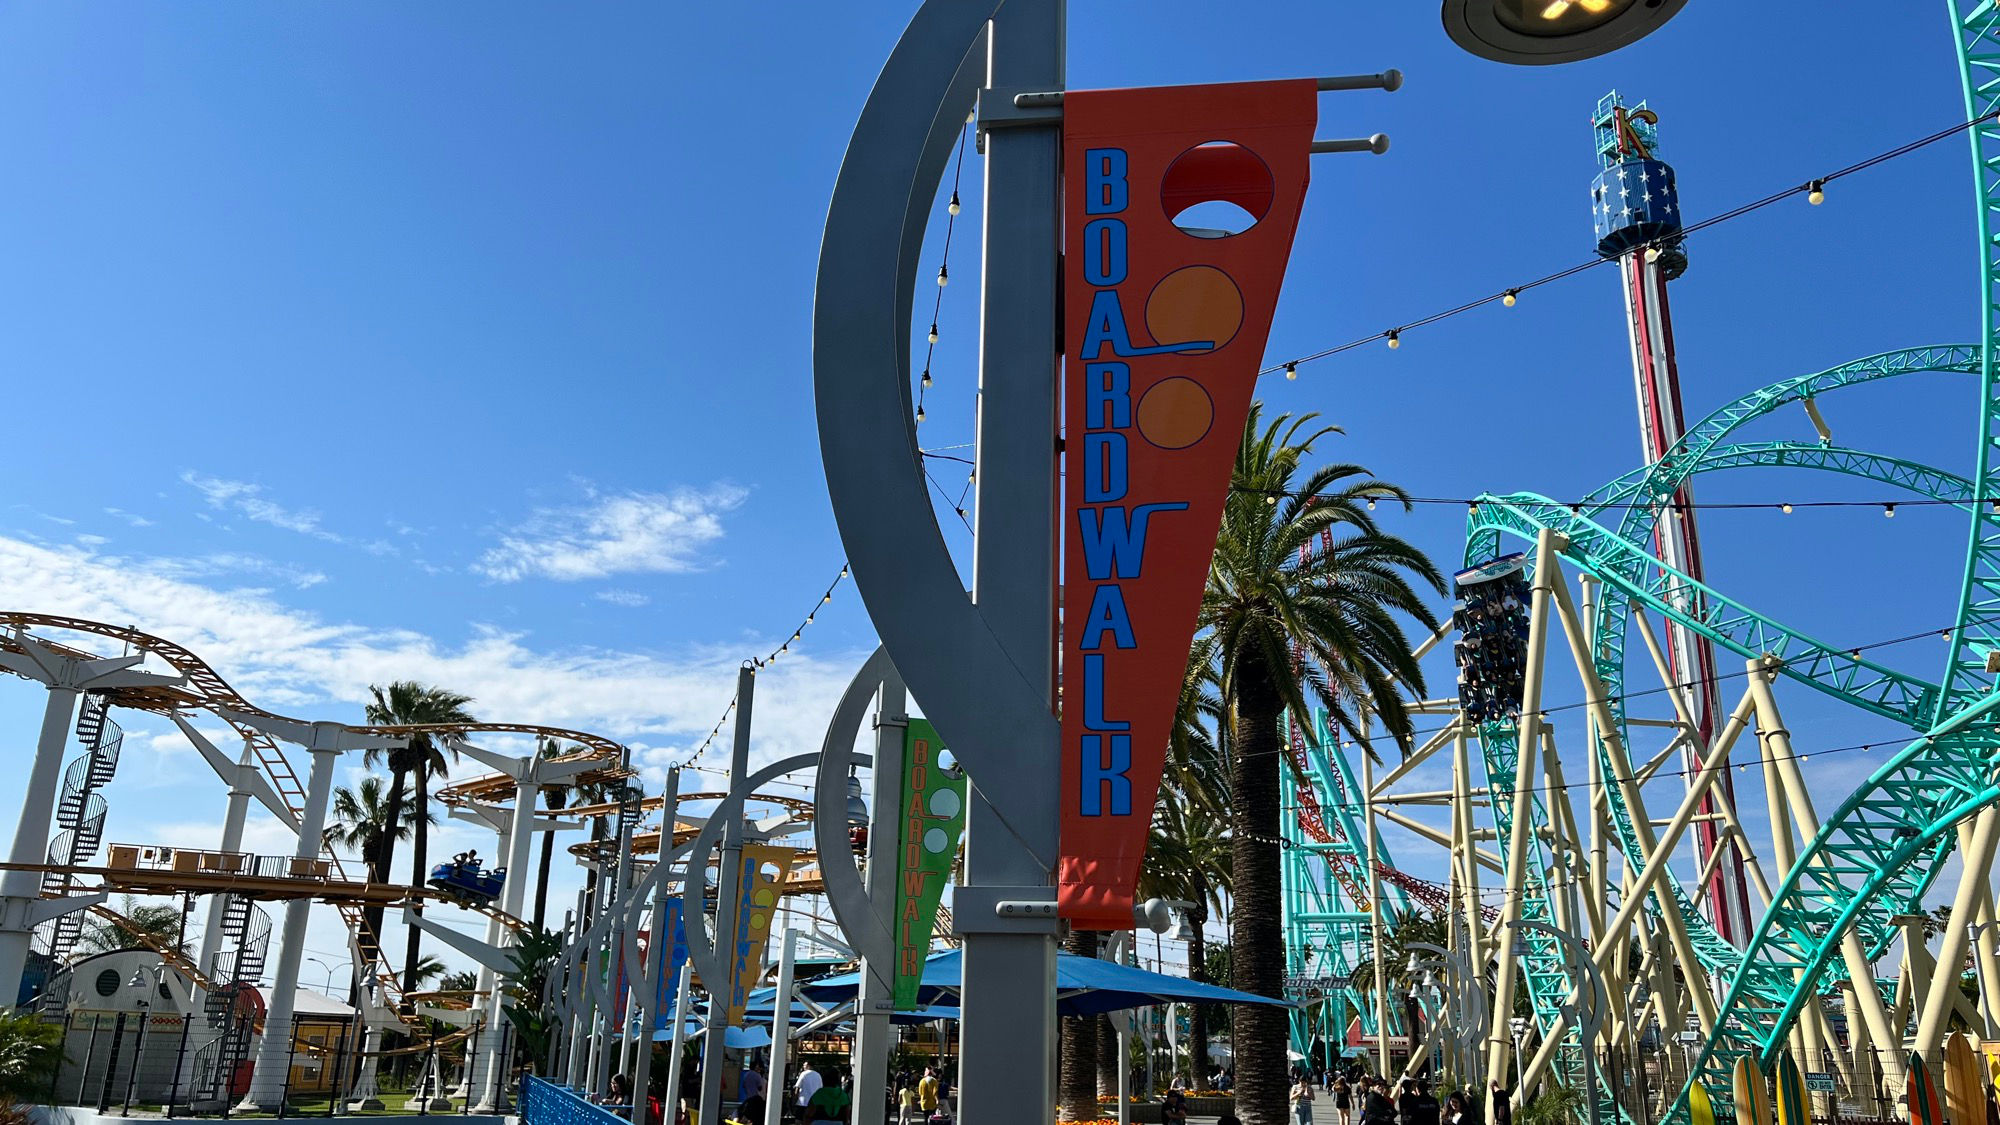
(1678, 509)
(756, 664)
(1371, 503)
(943, 277)
(1395, 339)
(1509, 297)
(1291, 370)
(1652, 253)
(1815, 193)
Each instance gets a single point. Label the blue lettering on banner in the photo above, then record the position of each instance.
(1093, 696)
(1109, 541)
(1107, 387)
(1113, 538)
(1105, 456)
(1108, 615)
(1104, 180)
(1107, 778)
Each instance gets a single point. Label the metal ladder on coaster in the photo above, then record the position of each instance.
(80, 815)
(239, 966)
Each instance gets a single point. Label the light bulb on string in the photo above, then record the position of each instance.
(920, 413)
(1652, 253)
(843, 570)
(1292, 370)
(933, 335)
(944, 277)
(1472, 507)
(1889, 511)
(927, 377)
(1509, 297)
(1785, 508)
(1395, 339)
(952, 207)
(1371, 503)
(1816, 192)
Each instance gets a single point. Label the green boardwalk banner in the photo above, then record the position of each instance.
(933, 816)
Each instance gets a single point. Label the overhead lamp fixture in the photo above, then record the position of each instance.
(857, 809)
(1539, 32)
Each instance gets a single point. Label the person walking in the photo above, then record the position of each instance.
(906, 1098)
(1302, 1099)
(927, 1092)
(809, 1084)
(1376, 1108)
(1343, 1101)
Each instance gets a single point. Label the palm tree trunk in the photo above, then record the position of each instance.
(379, 858)
(1078, 1081)
(1108, 1061)
(542, 878)
(420, 842)
(1198, 1013)
(1258, 1032)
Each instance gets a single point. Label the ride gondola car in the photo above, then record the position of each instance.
(464, 879)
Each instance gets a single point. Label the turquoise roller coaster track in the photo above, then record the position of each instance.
(1876, 854)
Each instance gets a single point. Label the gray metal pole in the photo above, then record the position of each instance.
(781, 1033)
(659, 955)
(614, 943)
(579, 991)
(876, 998)
(677, 1043)
(271, 1076)
(727, 894)
(1006, 1070)
(31, 831)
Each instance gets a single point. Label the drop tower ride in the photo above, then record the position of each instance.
(1636, 214)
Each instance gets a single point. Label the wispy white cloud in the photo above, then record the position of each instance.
(132, 518)
(249, 500)
(631, 599)
(296, 662)
(628, 533)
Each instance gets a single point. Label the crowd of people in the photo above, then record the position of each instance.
(1364, 1099)
(817, 1096)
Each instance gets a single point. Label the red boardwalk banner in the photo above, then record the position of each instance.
(1167, 309)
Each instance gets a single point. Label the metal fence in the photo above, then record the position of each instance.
(545, 1103)
(115, 1061)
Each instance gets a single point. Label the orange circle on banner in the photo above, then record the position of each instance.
(1195, 303)
(1175, 413)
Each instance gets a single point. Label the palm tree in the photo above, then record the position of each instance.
(409, 703)
(1276, 587)
(1188, 858)
(1077, 1058)
(361, 817)
(427, 969)
(149, 926)
(1399, 929)
(556, 798)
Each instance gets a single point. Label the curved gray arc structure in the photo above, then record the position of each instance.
(694, 888)
(978, 697)
(859, 921)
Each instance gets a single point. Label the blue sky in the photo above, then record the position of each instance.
(348, 342)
